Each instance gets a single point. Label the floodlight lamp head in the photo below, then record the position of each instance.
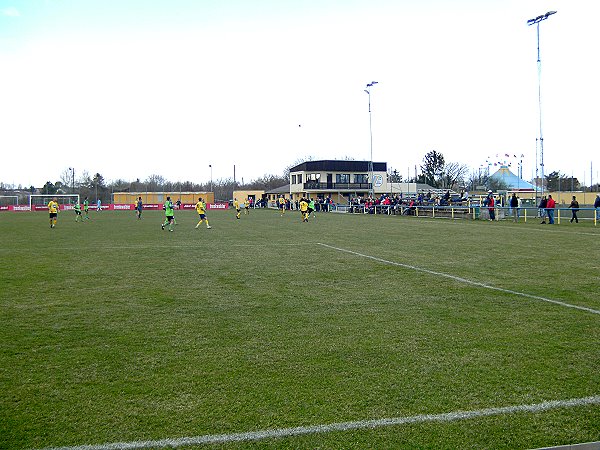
(538, 19)
(374, 82)
(367, 91)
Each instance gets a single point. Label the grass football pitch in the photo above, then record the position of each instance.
(349, 331)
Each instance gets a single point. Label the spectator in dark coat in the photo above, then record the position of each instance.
(574, 208)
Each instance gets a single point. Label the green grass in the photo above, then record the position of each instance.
(116, 331)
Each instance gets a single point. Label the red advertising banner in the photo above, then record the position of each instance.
(117, 207)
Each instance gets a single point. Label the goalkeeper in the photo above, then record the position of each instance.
(53, 211)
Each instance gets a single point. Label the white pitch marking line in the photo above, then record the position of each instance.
(462, 280)
(341, 426)
(150, 247)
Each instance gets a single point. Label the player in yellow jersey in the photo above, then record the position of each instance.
(201, 210)
(247, 206)
(53, 210)
(236, 205)
(304, 209)
(282, 205)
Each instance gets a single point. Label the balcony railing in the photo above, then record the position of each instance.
(317, 186)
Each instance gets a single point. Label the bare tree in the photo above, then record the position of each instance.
(84, 180)
(66, 177)
(453, 175)
(155, 183)
(286, 171)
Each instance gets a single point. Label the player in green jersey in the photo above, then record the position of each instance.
(86, 208)
(169, 214)
(77, 209)
(311, 208)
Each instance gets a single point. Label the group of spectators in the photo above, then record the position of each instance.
(398, 204)
(546, 209)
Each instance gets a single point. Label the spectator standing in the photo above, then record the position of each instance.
(542, 209)
(491, 206)
(139, 206)
(597, 206)
(574, 208)
(514, 205)
(550, 205)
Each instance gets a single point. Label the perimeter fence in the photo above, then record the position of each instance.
(472, 212)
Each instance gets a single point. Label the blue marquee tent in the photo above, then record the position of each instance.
(512, 181)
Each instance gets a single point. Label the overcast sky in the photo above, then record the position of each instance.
(131, 88)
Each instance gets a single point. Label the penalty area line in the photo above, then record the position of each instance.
(462, 280)
(341, 426)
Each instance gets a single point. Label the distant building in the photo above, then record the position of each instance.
(159, 197)
(274, 194)
(252, 194)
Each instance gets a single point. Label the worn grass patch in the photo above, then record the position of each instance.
(115, 331)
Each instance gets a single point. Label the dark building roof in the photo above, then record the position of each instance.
(285, 189)
(339, 166)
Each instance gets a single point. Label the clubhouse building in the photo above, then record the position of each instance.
(341, 180)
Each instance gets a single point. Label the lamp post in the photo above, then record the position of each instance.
(368, 91)
(211, 184)
(72, 170)
(536, 21)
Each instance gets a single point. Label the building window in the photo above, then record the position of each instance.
(293, 179)
(361, 178)
(342, 178)
(313, 177)
(299, 178)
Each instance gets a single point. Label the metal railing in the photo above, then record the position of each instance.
(473, 212)
(315, 185)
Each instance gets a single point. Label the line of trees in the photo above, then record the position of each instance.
(435, 171)
(96, 187)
